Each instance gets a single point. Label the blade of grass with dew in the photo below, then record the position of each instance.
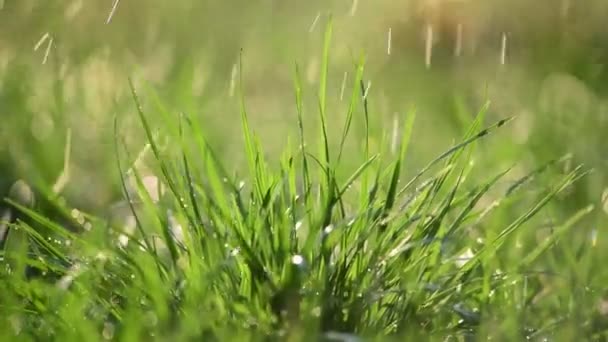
(250, 150)
(455, 149)
(505, 233)
(456, 156)
(151, 210)
(15, 250)
(351, 106)
(511, 191)
(194, 203)
(307, 186)
(323, 90)
(45, 222)
(557, 233)
(163, 165)
(392, 190)
(473, 199)
(214, 174)
(138, 223)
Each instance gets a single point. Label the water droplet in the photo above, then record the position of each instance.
(123, 240)
(101, 256)
(150, 319)
(241, 185)
(594, 237)
(75, 213)
(297, 259)
(108, 331)
(328, 229)
(235, 251)
(298, 225)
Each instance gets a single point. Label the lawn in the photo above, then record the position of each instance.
(314, 171)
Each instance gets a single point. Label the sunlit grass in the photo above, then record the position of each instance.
(305, 247)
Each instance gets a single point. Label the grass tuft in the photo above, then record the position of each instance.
(291, 251)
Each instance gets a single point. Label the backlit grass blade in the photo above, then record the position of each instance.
(246, 130)
(455, 149)
(351, 106)
(557, 233)
(130, 201)
(324, 140)
(392, 190)
(502, 236)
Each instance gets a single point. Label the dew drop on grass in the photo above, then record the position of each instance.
(75, 213)
(605, 200)
(123, 240)
(298, 225)
(108, 331)
(150, 319)
(328, 229)
(297, 260)
(235, 252)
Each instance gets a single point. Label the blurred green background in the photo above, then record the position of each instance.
(64, 66)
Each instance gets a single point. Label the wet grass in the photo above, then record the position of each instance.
(320, 242)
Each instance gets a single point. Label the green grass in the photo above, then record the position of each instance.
(319, 243)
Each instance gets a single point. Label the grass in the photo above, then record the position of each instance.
(309, 247)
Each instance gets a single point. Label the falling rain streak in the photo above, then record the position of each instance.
(428, 45)
(389, 39)
(503, 49)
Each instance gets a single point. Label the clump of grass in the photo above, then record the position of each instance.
(290, 251)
